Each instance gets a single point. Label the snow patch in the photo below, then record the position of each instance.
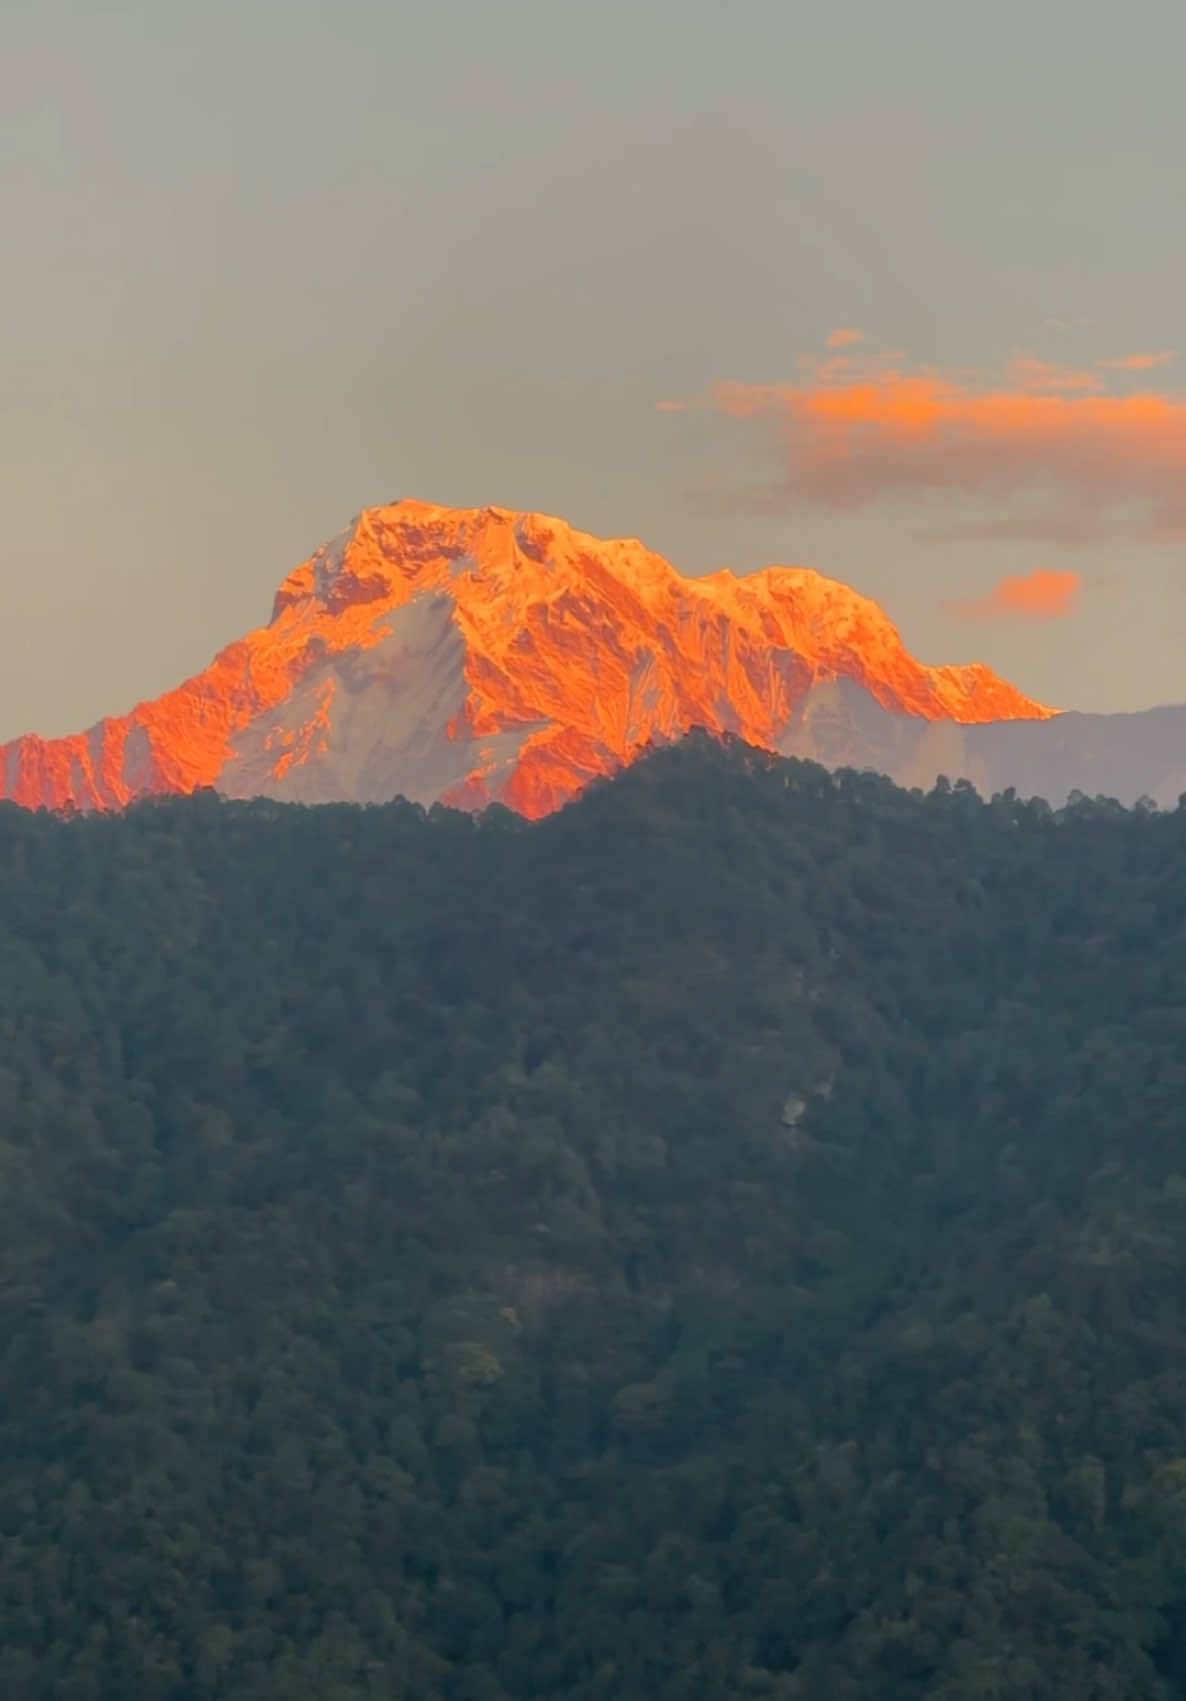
(381, 717)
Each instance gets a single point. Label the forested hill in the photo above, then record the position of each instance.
(727, 1240)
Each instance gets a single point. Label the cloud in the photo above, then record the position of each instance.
(1040, 451)
(1044, 594)
(845, 337)
(1047, 378)
(671, 407)
(1141, 362)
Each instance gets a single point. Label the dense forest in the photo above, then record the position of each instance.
(727, 1240)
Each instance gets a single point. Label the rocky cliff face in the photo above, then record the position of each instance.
(481, 655)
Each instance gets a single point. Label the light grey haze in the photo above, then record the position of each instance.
(268, 264)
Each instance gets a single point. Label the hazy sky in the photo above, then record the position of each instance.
(270, 262)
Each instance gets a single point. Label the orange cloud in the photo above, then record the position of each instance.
(671, 407)
(845, 337)
(1043, 594)
(1046, 448)
(1141, 362)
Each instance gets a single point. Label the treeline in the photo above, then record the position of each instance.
(726, 1240)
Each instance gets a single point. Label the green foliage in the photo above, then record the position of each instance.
(725, 1241)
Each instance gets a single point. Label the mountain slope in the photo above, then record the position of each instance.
(482, 655)
(727, 1240)
(1121, 756)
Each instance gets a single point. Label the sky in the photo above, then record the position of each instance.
(895, 292)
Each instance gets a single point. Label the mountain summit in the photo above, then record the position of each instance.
(479, 655)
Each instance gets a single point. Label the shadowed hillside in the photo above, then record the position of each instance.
(726, 1239)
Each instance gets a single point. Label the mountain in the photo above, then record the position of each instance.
(723, 1242)
(475, 656)
(1127, 756)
